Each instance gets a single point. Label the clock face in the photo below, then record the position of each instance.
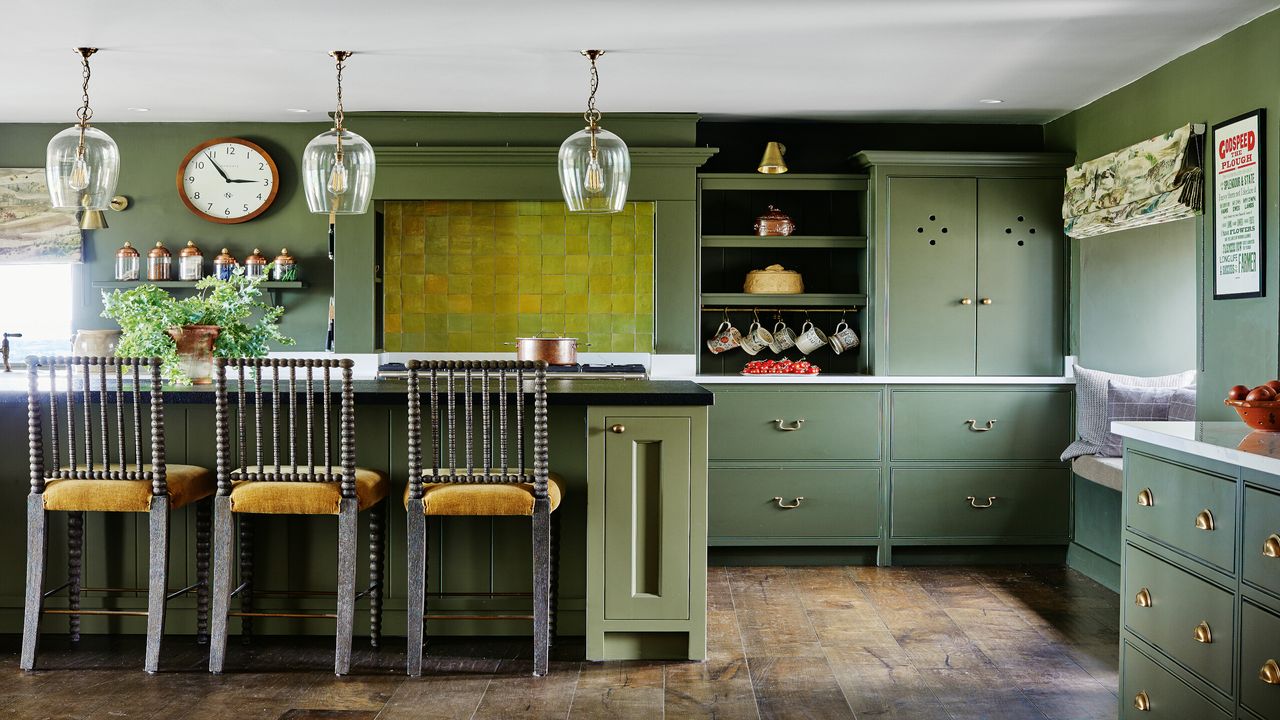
(227, 180)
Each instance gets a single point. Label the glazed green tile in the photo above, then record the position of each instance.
(459, 342)
(437, 248)
(393, 322)
(622, 227)
(553, 225)
(483, 265)
(482, 322)
(575, 284)
(411, 285)
(391, 302)
(644, 283)
(391, 342)
(644, 228)
(644, 265)
(436, 324)
(603, 341)
(623, 303)
(600, 285)
(437, 227)
(437, 208)
(433, 305)
(460, 284)
(530, 304)
(575, 302)
(576, 224)
(624, 265)
(505, 264)
(485, 246)
(482, 285)
(505, 283)
(553, 245)
(623, 245)
(600, 265)
(414, 227)
(624, 323)
(553, 265)
(644, 342)
(624, 284)
(530, 283)
(598, 226)
(390, 265)
(553, 285)
(437, 284)
(599, 246)
(482, 305)
(552, 303)
(505, 324)
(644, 323)
(504, 208)
(414, 322)
(459, 208)
(529, 225)
(628, 210)
(483, 208)
(528, 324)
(529, 245)
(576, 264)
(644, 303)
(414, 245)
(459, 264)
(599, 323)
(599, 303)
(528, 208)
(576, 244)
(645, 208)
(460, 244)
(554, 208)
(623, 342)
(575, 322)
(459, 304)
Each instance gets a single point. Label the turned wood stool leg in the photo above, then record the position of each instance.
(246, 577)
(202, 570)
(37, 548)
(377, 551)
(75, 561)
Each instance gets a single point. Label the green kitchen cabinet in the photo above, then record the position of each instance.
(790, 506)
(1149, 692)
(1259, 655)
(970, 262)
(646, 532)
(981, 505)
(980, 423)
(785, 425)
(1185, 507)
(933, 269)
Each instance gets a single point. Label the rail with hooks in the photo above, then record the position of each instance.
(792, 309)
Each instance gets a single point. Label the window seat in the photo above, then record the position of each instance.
(1105, 471)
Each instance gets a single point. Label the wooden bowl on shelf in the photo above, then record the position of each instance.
(1260, 414)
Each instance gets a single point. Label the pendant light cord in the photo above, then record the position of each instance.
(84, 112)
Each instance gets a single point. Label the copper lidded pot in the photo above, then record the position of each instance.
(128, 264)
(774, 222)
(255, 265)
(159, 263)
(190, 262)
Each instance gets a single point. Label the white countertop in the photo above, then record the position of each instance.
(1229, 442)
(822, 379)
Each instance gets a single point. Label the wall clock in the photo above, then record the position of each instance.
(228, 180)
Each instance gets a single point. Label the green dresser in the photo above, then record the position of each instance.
(1200, 585)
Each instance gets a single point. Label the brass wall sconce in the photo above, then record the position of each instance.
(96, 219)
(772, 162)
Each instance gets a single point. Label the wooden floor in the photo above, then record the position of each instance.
(856, 642)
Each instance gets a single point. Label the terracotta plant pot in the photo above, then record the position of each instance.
(195, 351)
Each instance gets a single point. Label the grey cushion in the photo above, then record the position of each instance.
(1107, 472)
(1091, 404)
(1182, 406)
(1126, 402)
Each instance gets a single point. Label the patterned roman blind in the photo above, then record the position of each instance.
(31, 231)
(1155, 181)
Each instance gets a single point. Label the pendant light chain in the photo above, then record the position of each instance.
(340, 60)
(593, 114)
(84, 112)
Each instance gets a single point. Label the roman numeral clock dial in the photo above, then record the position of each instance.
(228, 180)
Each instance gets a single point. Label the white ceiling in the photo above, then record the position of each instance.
(849, 59)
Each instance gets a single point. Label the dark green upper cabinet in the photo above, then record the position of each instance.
(969, 262)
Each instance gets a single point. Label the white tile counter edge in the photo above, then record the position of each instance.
(1210, 440)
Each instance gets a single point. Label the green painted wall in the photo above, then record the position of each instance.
(1227, 77)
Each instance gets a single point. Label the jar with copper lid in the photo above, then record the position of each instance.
(159, 263)
(128, 264)
(190, 262)
(284, 268)
(255, 265)
(224, 265)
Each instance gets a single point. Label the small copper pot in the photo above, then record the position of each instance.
(552, 350)
(774, 222)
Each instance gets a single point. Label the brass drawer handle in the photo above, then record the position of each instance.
(1143, 598)
(783, 426)
(1145, 499)
(1204, 520)
(1270, 673)
(973, 425)
(973, 502)
(966, 301)
(794, 504)
(1202, 633)
(1142, 701)
(1271, 546)
(619, 429)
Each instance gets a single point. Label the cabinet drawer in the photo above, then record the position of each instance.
(1262, 539)
(1167, 614)
(837, 504)
(949, 503)
(1164, 500)
(1024, 424)
(1167, 697)
(1259, 658)
(837, 425)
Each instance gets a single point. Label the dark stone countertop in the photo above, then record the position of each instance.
(13, 391)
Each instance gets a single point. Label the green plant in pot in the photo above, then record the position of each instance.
(225, 318)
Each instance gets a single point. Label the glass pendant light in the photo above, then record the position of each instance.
(595, 166)
(338, 165)
(82, 163)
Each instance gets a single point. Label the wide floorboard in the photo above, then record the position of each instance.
(1026, 643)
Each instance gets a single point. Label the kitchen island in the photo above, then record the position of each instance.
(633, 534)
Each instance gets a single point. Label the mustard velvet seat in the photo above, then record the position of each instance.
(476, 499)
(303, 498)
(187, 484)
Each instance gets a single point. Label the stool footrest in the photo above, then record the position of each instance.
(477, 617)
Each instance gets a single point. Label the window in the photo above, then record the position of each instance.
(35, 300)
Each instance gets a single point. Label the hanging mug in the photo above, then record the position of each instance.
(727, 337)
(843, 338)
(810, 338)
(756, 339)
(784, 338)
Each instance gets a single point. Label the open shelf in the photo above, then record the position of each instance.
(787, 181)
(191, 284)
(785, 241)
(749, 300)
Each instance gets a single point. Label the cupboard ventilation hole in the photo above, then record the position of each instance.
(1020, 218)
(920, 230)
(944, 231)
(1021, 243)
(932, 218)
(933, 242)
(1032, 231)
(1008, 231)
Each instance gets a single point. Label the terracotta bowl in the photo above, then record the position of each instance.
(1260, 415)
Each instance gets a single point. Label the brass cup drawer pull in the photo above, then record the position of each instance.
(1145, 498)
(784, 426)
(1271, 546)
(973, 502)
(794, 503)
(1142, 701)
(1204, 520)
(1143, 598)
(1270, 672)
(1202, 633)
(973, 425)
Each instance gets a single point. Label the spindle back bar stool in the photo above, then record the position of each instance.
(106, 479)
(496, 483)
(279, 479)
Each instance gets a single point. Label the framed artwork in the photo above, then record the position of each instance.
(31, 231)
(1239, 215)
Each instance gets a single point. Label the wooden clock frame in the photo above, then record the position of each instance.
(271, 163)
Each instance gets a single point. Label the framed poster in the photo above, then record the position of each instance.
(1239, 240)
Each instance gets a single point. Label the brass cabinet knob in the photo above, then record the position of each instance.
(1142, 701)
(1143, 598)
(986, 301)
(1204, 520)
(1271, 546)
(1202, 633)
(1145, 499)
(1270, 672)
(785, 506)
(619, 429)
(966, 301)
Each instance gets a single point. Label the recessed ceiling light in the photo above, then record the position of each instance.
(297, 110)
(137, 109)
(990, 101)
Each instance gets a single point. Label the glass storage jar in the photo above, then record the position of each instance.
(285, 268)
(190, 262)
(223, 265)
(159, 263)
(128, 264)
(255, 265)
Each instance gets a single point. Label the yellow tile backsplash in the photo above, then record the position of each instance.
(469, 276)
